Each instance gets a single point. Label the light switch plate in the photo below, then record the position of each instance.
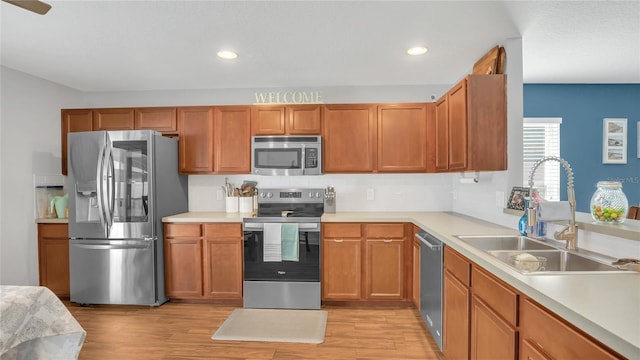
(370, 194)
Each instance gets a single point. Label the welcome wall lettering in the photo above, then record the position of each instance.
(289, 97)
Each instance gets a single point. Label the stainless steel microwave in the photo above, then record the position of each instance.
(286, 155)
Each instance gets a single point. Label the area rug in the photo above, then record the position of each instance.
(297, 326)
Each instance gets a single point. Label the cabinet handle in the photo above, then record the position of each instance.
(338, 240)
(387, 240)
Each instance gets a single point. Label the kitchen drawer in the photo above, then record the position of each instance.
(499, 297)
(341, 230)
(457, 265)
(182, 230)
(543, 331)
(385, 230)
(212, 230)
(53, 230)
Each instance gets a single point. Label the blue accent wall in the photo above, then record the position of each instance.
(582, 108)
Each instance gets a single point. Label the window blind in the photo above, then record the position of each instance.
(541, 138)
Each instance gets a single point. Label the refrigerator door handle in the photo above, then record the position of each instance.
(111, 247)
(99, 189)
(110, 183)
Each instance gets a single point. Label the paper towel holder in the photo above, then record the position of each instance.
(470, 180)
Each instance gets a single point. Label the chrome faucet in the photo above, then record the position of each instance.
(570, 232)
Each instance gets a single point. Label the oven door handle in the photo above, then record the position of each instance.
(310, 227)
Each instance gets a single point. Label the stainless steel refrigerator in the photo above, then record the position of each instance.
(120, 185)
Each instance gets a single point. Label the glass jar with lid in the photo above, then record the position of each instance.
(609, 204)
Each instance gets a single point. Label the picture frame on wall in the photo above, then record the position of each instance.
(614, 141)
(517, 197)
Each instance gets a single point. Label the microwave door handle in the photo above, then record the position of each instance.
(304, 157)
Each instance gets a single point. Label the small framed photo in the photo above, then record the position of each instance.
(614, 141)
(516, 199)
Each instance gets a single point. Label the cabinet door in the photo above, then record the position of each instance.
(223, 268)
(267, 120)
(223, 247)
(303, 120)
(232, 139)
(341, 269)
(491, 337)
(183, 267)
(53, 258)
(113, 119)
(455, 318)
(163, 119)
(442, 135)
(350, 134)
(384, 269)
(74, 120)
(196, 139)
(528, 351)
(402, 138)
(458, 135)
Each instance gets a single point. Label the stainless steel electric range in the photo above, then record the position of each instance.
(282, 250)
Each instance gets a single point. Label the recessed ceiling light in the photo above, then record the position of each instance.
(418, 50)
(227, 54)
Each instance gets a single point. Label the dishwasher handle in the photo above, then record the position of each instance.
(433, 247)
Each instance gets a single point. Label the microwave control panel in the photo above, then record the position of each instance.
(311, 160)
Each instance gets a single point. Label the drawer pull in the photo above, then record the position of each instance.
(387, 240)
(338, 240)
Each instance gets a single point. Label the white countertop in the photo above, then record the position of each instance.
(605, 306)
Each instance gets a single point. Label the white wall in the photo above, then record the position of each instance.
(29, 144)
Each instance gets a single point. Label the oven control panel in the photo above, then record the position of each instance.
(291, 195)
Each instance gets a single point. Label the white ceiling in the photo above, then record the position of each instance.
(162, 45)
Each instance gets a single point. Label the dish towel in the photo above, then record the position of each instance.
(290, 240)
(272, 248)
(553, 211)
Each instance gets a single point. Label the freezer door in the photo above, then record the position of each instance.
(113, 272)
(111, 185)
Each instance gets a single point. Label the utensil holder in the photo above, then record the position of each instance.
(246, 204)
(231, 204)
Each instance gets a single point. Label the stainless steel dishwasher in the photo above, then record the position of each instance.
(431, 256)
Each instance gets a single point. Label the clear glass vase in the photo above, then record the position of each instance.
(609, 204)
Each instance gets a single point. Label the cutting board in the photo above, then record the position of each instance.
(488, 63)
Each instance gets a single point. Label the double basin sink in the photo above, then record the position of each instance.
(531, 256)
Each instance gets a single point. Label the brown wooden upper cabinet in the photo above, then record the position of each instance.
(285, 120)
(471, 119)
(73, 120)
(113, 119)
(232, 139)
(196, 139)
(349, 138)
(162, 119)
(402, 138)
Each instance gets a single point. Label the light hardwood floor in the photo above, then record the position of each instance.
(184, 330)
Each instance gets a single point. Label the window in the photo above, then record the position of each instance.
(540, 138)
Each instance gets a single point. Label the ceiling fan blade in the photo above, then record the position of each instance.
(36, 6)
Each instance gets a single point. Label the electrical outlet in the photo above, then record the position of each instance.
(499, 198)
(370, 194)
(219, 195)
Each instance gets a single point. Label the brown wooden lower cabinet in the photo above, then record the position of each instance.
(203, 261)
(546, 336)
(365, 261)
(53, 258)
(485, 318)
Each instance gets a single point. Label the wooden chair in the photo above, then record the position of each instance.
(634, 213)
